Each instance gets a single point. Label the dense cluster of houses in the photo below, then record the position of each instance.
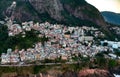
(63, 41)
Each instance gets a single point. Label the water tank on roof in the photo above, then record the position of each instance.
(115, 46)
(14, 3)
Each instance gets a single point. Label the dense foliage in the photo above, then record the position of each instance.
(74, 3)
(3, 38)
(35, 69)
(18, 41)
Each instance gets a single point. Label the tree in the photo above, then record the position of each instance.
(112, 63)
(3, 38)
(117, 52)
(105, 44)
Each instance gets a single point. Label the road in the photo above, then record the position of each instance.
(19, 65)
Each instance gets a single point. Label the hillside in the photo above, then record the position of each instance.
(53, 71)
(111, 17)
(69, 12)
(22, 11)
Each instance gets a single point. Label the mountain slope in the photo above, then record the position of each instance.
(76, 12)
(111, 17)
(22, 12)
(69, 11)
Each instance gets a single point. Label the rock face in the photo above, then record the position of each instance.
(68, 10)
(52, 7)
(56, 73)
(86, 73)
(94, 73)
(69, 74)
(83, 73)
(77, 12)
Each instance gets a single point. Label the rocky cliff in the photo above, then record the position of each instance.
(69, 11)
(82, 73)
(76, 12)
(94, 73)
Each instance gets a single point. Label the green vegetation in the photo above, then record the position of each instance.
(83, 62)
(3, 38)
(112, 63)
(23, 42)
(91, 12)
(43, 17)
(21, 71)
(25, 70)
(74, 21)
(18, 41)
(117, 52)
(57, 60)
(74, 3)
(35, 69)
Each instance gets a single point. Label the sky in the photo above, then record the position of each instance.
(106, 5)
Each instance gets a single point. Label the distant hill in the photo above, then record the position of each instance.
(111, 17)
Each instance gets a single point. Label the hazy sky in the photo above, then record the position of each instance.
(106, 5)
